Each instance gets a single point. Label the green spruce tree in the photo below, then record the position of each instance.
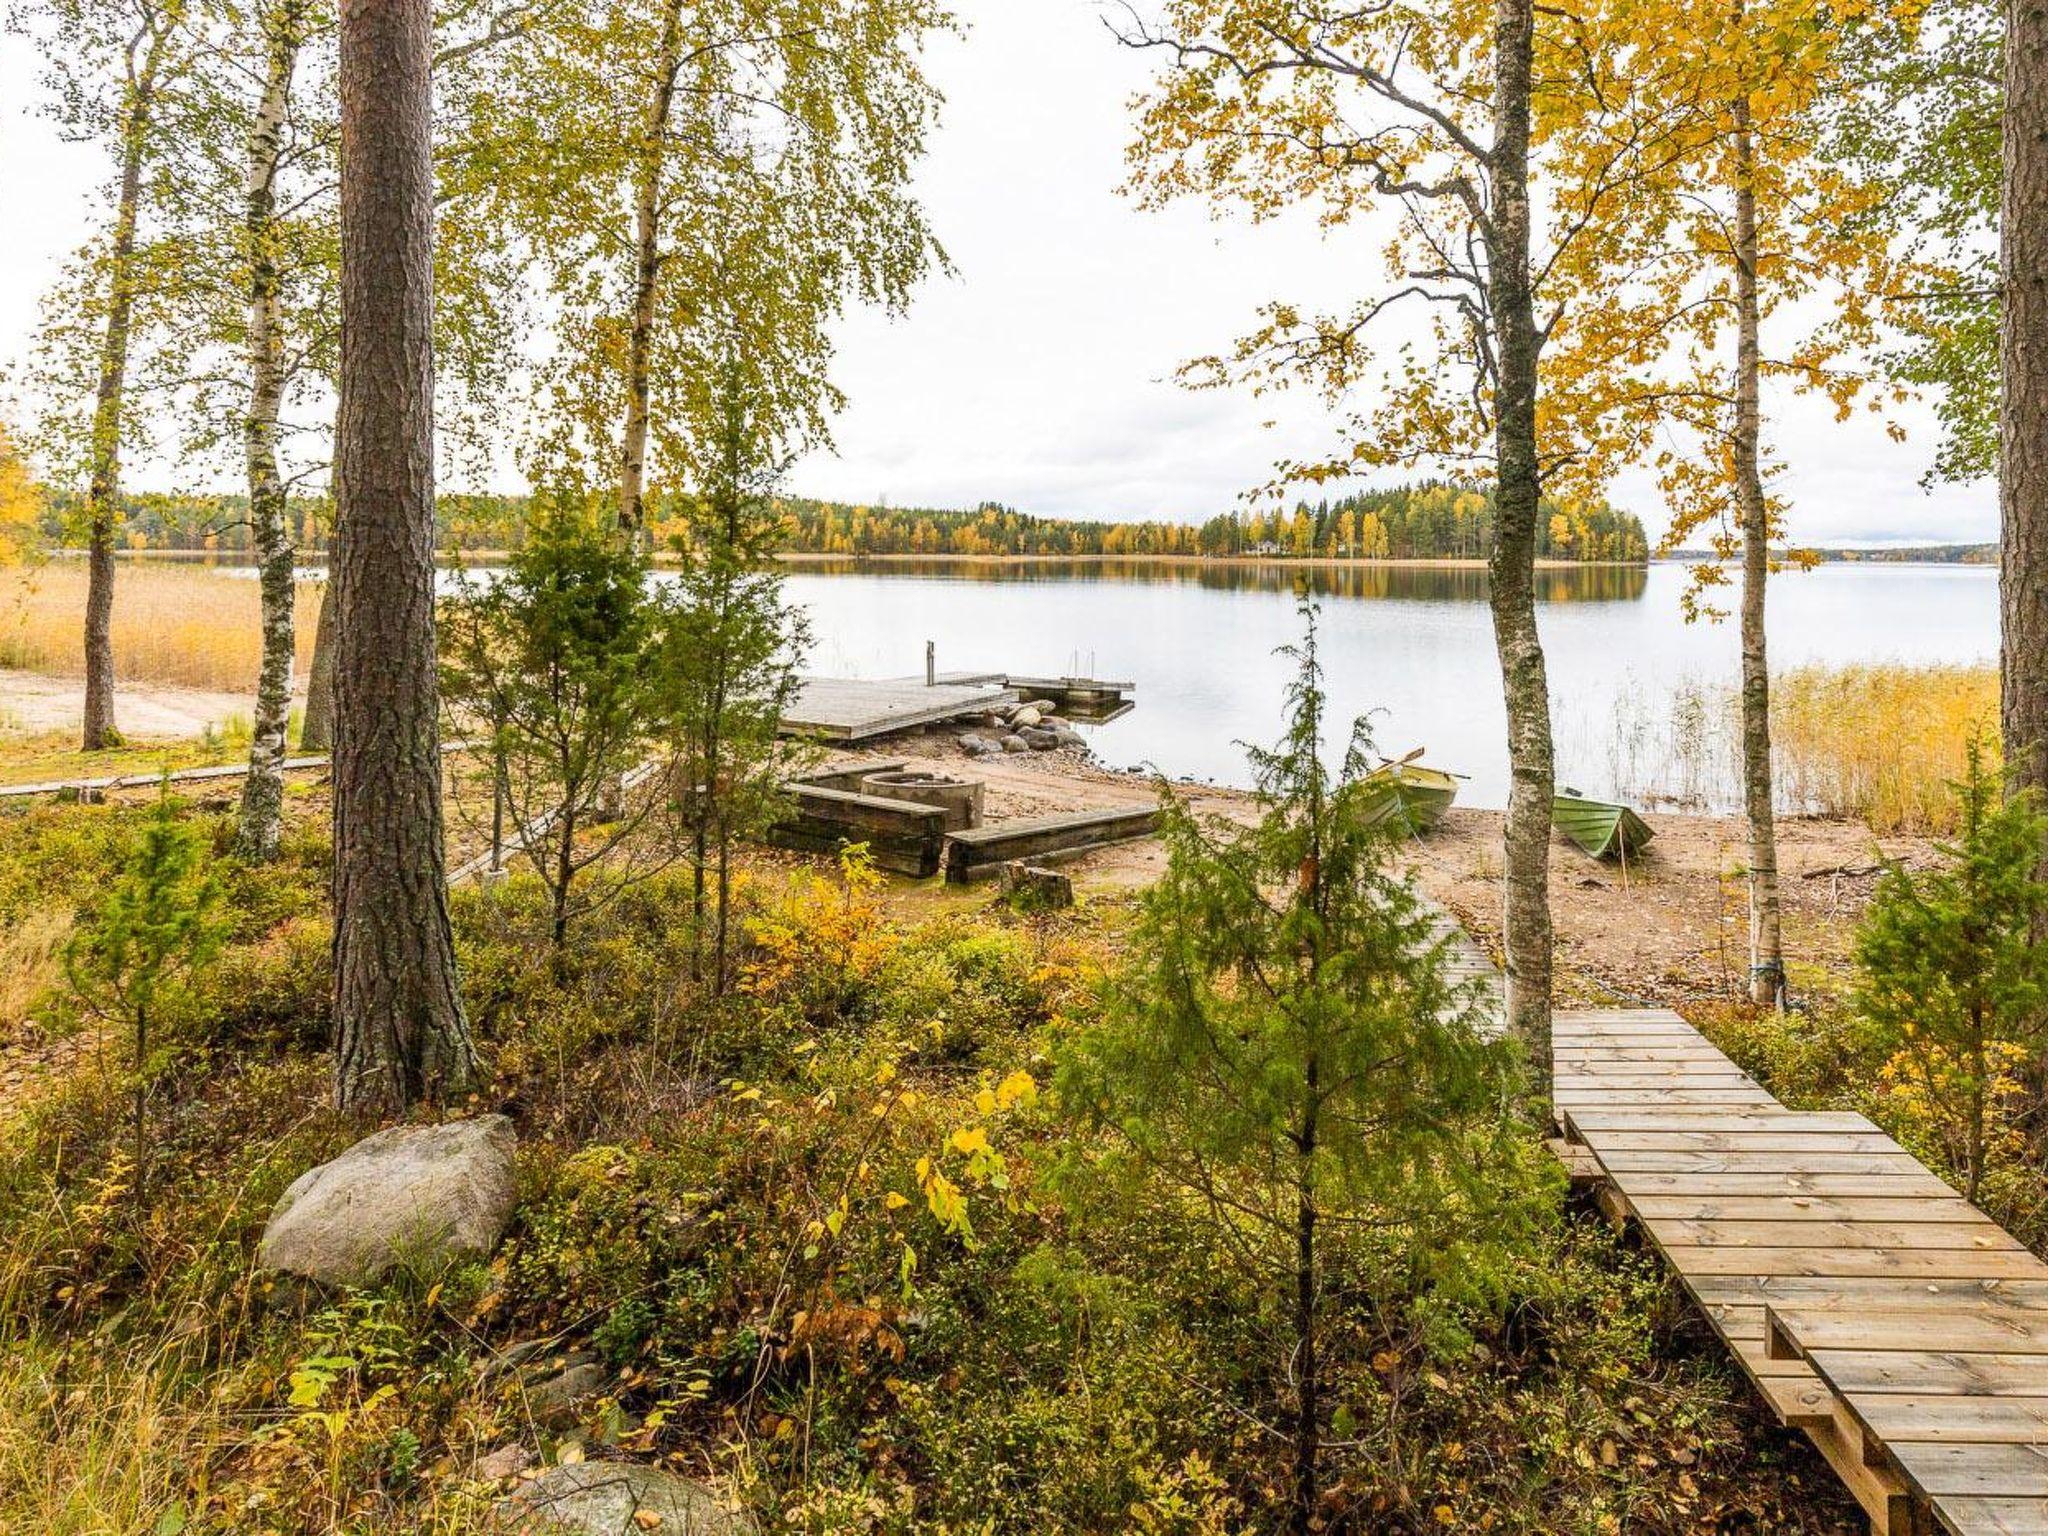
(157, 927)
(1287, 1054)
(1950, 972)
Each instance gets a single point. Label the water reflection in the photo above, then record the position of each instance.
(1410, 581)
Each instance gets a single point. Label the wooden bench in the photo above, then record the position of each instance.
(900, 835)
(980, 852)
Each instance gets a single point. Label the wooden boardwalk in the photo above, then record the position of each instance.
(850, 709)
(1873, 1307)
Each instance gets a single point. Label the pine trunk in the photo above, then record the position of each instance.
(1766, 949)
(316, 729)
(1518, 492)
(400, 1034)
(2023, 403)
(103, 486)
(646, 275)
(262, 812)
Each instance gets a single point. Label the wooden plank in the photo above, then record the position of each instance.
(1899, 1417)
(1902, 1325)
(1898, 1182)
(984, 849)
(1792, 1291)
(1995, 1517)
(847, 808)
(1648, 1074)
(1808, 1144)
(1733, 1099)
(1778, 1123)
(2004, 1469)
(1618, 1161)
(1921, 1237)
(1947, 1208)
(1938, 1263)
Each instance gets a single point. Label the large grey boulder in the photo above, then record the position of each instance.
(617, 1498)
(415, 1195)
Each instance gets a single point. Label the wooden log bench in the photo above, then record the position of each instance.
(979, 853)
(901, 836)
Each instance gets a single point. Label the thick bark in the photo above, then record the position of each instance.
(2023, 403)
(316, 729)
(103, 488)
(1518, 491)
(262, 812)
(646, 275)
(1766, 950)
(400, 1035)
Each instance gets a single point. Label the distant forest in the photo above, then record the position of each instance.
(1418, 522)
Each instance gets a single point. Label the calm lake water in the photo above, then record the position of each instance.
(1411, 648)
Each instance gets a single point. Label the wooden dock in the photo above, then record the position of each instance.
(852, 709)
(1873, 1307)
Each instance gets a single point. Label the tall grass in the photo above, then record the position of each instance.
(1879, 742)
(172, 624)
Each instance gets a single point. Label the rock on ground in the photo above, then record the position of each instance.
(419, 1195)
(616, 1498)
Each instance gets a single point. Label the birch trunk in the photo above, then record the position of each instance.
(262, 812)
(1518, 492)
(103, 487)
(647, 275)
(2023, 401)
(400, 1034)
(1766, 949)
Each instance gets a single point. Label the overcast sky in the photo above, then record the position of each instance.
(1040, 373)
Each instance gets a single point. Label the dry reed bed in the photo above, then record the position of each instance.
(1881, 742)
(192, 628)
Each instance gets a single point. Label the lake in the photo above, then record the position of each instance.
(1411, 647)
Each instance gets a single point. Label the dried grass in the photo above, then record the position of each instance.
(1880, 742)
(194, 628)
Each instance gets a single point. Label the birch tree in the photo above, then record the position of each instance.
(1746, 220)
(1422, 116)
(254, 209)
(114, 67)
(629, 130)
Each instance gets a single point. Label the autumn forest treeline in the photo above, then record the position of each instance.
(1425, 521)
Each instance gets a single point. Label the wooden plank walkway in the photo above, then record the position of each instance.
(1872, 1306)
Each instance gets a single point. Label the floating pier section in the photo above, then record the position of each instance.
(857, 709)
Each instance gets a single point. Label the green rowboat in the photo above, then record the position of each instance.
(1604, 828)
(1420, 795)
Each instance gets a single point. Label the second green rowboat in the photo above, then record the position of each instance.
(1604, 828)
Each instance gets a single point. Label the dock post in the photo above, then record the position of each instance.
(931, 663)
